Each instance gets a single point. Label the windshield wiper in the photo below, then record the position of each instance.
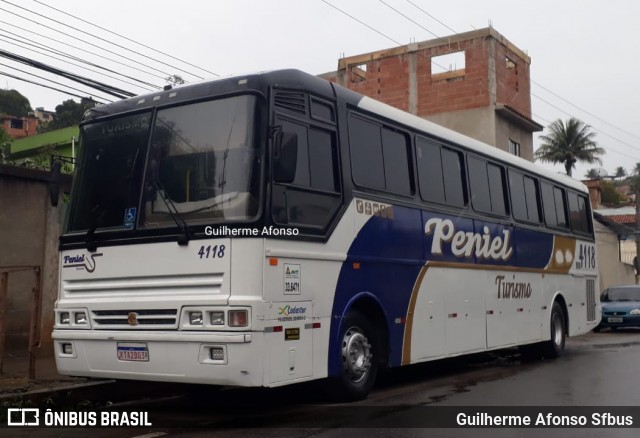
(97, 213)
(175, 215)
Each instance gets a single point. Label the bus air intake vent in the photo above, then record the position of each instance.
(591, 300)
(295, 102)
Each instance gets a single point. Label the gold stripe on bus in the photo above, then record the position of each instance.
(408, 326)
(556, 265)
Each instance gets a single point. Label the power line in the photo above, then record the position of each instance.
(584, 111)
(108, 89)
(59, 59)
(42, 85)
(408, 18)
(87, 42)
(374, 29)
(599, 130)
(361, 22)
(431, 16)
(126, 38)
(47, 79)
(30, 42)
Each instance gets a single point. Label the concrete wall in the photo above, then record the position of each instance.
(612, 271)
(29, 231)
(478, 123)
(506, 131)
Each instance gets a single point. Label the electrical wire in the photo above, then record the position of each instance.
(408, 18)
(89, 43)
(2, 73)
(41, 45)
(46, 79)
(108, 89)
(15, 42)
(126, 38)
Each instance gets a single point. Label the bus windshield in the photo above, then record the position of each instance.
(202, 161)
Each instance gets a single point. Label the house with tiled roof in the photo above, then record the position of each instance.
(615, 232)
(621, 221)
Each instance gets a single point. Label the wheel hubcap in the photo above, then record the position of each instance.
(557, 330)
(356, 354)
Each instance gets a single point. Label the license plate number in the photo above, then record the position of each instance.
(614, 320)
(133, 351)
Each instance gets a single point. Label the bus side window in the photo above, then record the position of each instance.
(487, 186)
(524, 197)
(555, 206)
(578, 213)
(379, 156)
(312, 198)
(440, 174)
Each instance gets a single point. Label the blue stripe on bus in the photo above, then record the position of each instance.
(391, 253)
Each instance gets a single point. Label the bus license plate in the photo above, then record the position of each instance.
(614, 320)
(133, 351)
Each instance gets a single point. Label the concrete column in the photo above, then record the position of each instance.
(412, 59)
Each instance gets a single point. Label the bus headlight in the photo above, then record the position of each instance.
(217, 317)
(72, 319)
(195, 318)
(65, 318)
(238, 318)
(80, 318)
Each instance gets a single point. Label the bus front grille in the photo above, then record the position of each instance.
(135, 319)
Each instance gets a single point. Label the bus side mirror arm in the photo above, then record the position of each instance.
(285, 157)
(54, 182)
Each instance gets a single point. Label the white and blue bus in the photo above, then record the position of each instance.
(277, 228)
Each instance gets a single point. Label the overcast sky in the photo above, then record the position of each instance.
(585, 53)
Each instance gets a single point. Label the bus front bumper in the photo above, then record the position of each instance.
(215, 358)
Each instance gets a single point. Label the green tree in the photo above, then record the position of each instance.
(14, 103)
(610, 195)
(592, 174)
(69, 113)
(568, 143)
(620, 172)
(4, 144)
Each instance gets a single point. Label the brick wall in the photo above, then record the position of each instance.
(29, 126)
(495, 72)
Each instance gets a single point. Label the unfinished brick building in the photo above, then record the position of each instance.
(476, 83)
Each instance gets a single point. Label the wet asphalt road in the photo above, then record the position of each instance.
(598, 369)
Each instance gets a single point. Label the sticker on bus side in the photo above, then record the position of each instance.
(292, 279)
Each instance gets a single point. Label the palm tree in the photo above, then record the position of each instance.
(592, 174)
(620, 172)
(568, 143)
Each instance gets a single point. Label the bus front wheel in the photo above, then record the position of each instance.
(358, 356)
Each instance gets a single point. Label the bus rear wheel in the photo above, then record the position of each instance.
(554, 347)
(358, 356)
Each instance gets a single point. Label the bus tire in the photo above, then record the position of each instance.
(555, 346)
(358, 357)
